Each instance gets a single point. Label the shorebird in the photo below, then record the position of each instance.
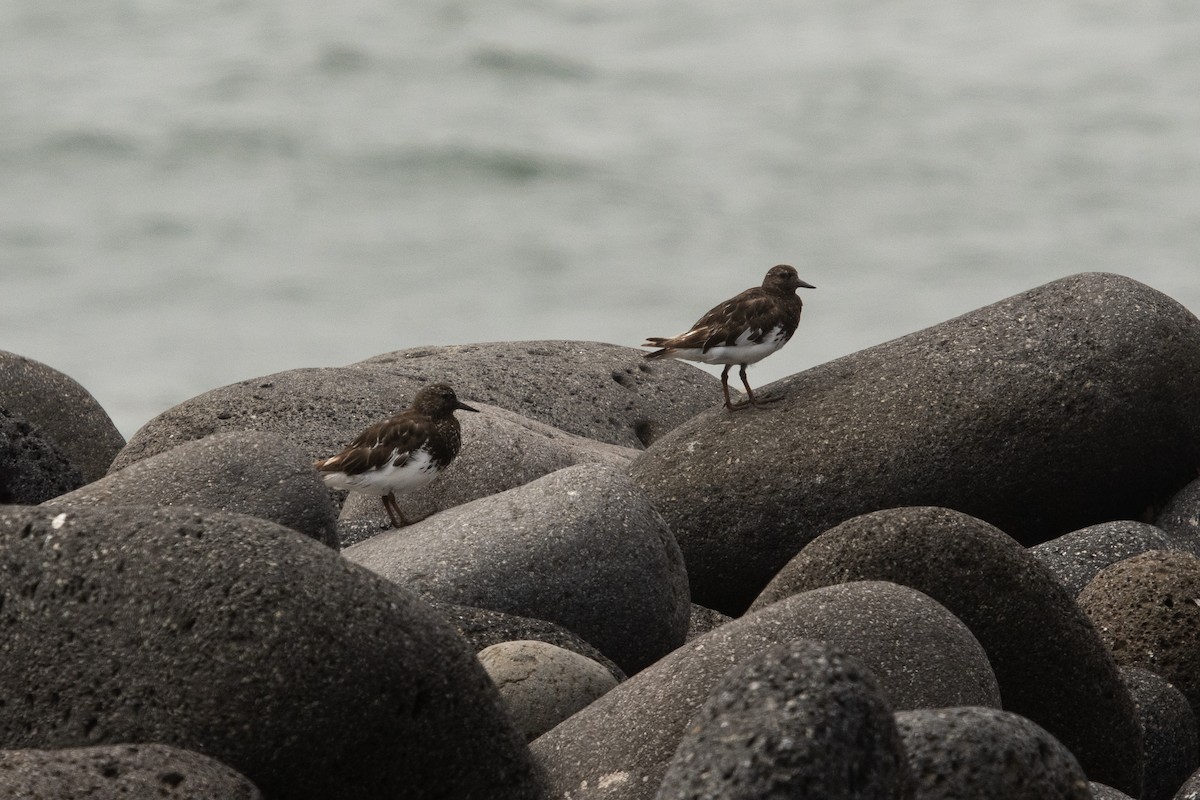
(402, 453)
(743, 330)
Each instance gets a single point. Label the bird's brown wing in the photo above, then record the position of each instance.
(754, 310)
(374, 446)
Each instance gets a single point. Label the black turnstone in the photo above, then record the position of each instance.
(402, 453)
(743, 330)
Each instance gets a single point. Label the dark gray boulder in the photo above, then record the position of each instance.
(32, 469)
(1050, 662)
(247, 642)
(600, 391)
(1076, 557)
(119, 772)
(798, 719)
(246, 472)
(1190, 789)
(501, 450)
(1102, 792)
(987, 754)
(62, 412)
(1067, 405)
(1146, 610)
(1169, 734)
(1181, 516)
(703, 620)
(482, 628)
(580, 547)
(620, 745)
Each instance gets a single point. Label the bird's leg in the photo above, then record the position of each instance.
(753, 400)
(725, 386)
(393, 510)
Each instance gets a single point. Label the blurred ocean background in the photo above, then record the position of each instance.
(195, 193)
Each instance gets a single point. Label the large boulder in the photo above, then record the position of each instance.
(245, 472)
(32, 468)
(1147, 611)
(1169, 733)
(1181, 516)
(1076, 557)
(621, 744)
(600, 391)
(247, 642)
(1049, 660)
(62, 411)
(799, 719)
(580, 547)
(1067, 405)
(501, 450)
(986, 754)
(124, 771)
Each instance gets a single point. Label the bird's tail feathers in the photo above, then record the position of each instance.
(657, 341)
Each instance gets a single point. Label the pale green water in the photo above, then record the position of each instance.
(196, 193)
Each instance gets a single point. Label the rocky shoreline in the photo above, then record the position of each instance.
(963, 563)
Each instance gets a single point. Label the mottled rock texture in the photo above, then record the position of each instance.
(1076, 557)
(119, 772)
(1169, 733)
(620, 745)
(61, 411)
(986, 754)
(247, 642)
(1050, 662)
(32, 469)
(1147, 613)
(259, 474)
(799, 719)
(1070, 404)
(580, 547)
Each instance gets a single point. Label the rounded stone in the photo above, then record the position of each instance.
(1102, 792)
(1146, 611)
(1067, 405)
(987, 754)
(501, 450)
(247, 642)
(1076, 557)
(1169, 733)
(798, 719)
(243, 472)
(580, 547)
(31, 468)
(1050, 662)
(599, 391)
(1181, 516)
(62, 412)
(620, 745)
(1190, 789)
(127, 771)
(541, 684)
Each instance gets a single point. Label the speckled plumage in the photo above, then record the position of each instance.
(402, 453)
(743, 330)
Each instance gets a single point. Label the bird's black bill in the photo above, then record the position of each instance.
(459, 404)
(805, 284)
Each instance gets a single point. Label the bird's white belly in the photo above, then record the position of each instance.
(743, 351)
(417, 471)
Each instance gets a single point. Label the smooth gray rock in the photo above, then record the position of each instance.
(501, 450)
(600, 391)
(120, 772)
(245, 472)
(541, 684)
(60, 410)
(620, 745)
(1067, 405)
(1050, 661)
(1076, 557)
(1146, 610)
(482, 628)
(1190, 789)
(703, 620)
(580, 547)
(247, 642)
(32, 469)
(987, 754)
(1102, 792)
(1181, 516)
(1169, 733)
(799, 719)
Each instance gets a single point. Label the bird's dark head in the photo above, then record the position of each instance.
(783, 278)
(438, 400)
